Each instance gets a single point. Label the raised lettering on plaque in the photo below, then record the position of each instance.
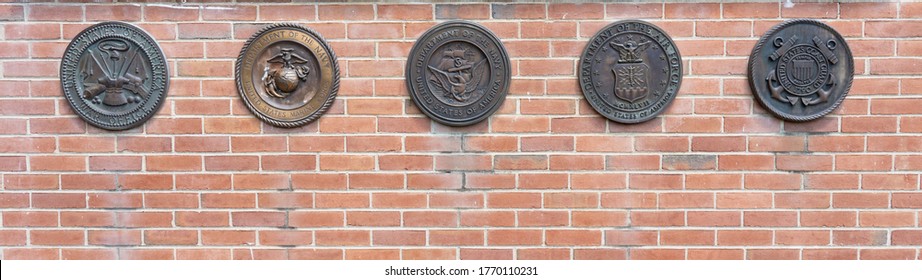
(114, 75)
(801, 70)
(287, 75)
(630, 71)
(458, 73)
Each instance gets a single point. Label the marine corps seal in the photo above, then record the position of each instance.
(801, 70)
(630, 71)
(114, 75)
(458, 73)
(287, 75)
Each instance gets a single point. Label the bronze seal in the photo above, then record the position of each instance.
(630, 71)
(458, 73)
(287, 75)
(801, 70)
(114, 75)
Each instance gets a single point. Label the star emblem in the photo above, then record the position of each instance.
(596, 72)
(662, 57)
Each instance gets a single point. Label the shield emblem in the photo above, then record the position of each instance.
(631, 81)
(804, 69)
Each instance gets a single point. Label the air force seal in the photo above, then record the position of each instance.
(630, 71)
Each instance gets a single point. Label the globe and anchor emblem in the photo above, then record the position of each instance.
(281, 82)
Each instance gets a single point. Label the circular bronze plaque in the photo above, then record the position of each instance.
(458, 73)
(114, 75)
(630, 71)
(287, 75)
(801, 70)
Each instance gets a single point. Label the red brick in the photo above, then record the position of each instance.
(204, 31)
(830, 254)
(399, 237)
(170, 237)
(89, 254)
(55, 13)
(456, 237)
(802, 200)
(695, 11)
(828, 218)
(373, 218)
(30, 254)
(346, 12)
(744, 237)
(113, 12)
(514, 237)
(341, 200)
(224, 13)
(285, 237)
(57, 237)
(462, 11)
(343, 237)
(631, 10)
(802, 237)
(316, 219)
(258, 219)
(687, 237)
(114, 237)
(228, 237)
(885, 219)
(430, 219)
(657, 254)
(287, 12)
(202, 219)
(809, 10)
(750, 10)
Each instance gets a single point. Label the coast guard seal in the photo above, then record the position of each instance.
(801, 70)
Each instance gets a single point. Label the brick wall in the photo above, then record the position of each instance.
(716, 176)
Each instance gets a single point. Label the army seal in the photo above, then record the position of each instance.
(801, 70)
(458, 73)
(114, 75)
(287, 75)
(630, 71)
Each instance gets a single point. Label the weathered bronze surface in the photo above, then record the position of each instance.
(114, 75)
(458, 73)
(287, 75)
(630, 71)
(801, 70)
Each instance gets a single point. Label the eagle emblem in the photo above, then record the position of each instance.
(631, 74)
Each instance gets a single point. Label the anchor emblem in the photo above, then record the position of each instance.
(456, 75)
(803, 73)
